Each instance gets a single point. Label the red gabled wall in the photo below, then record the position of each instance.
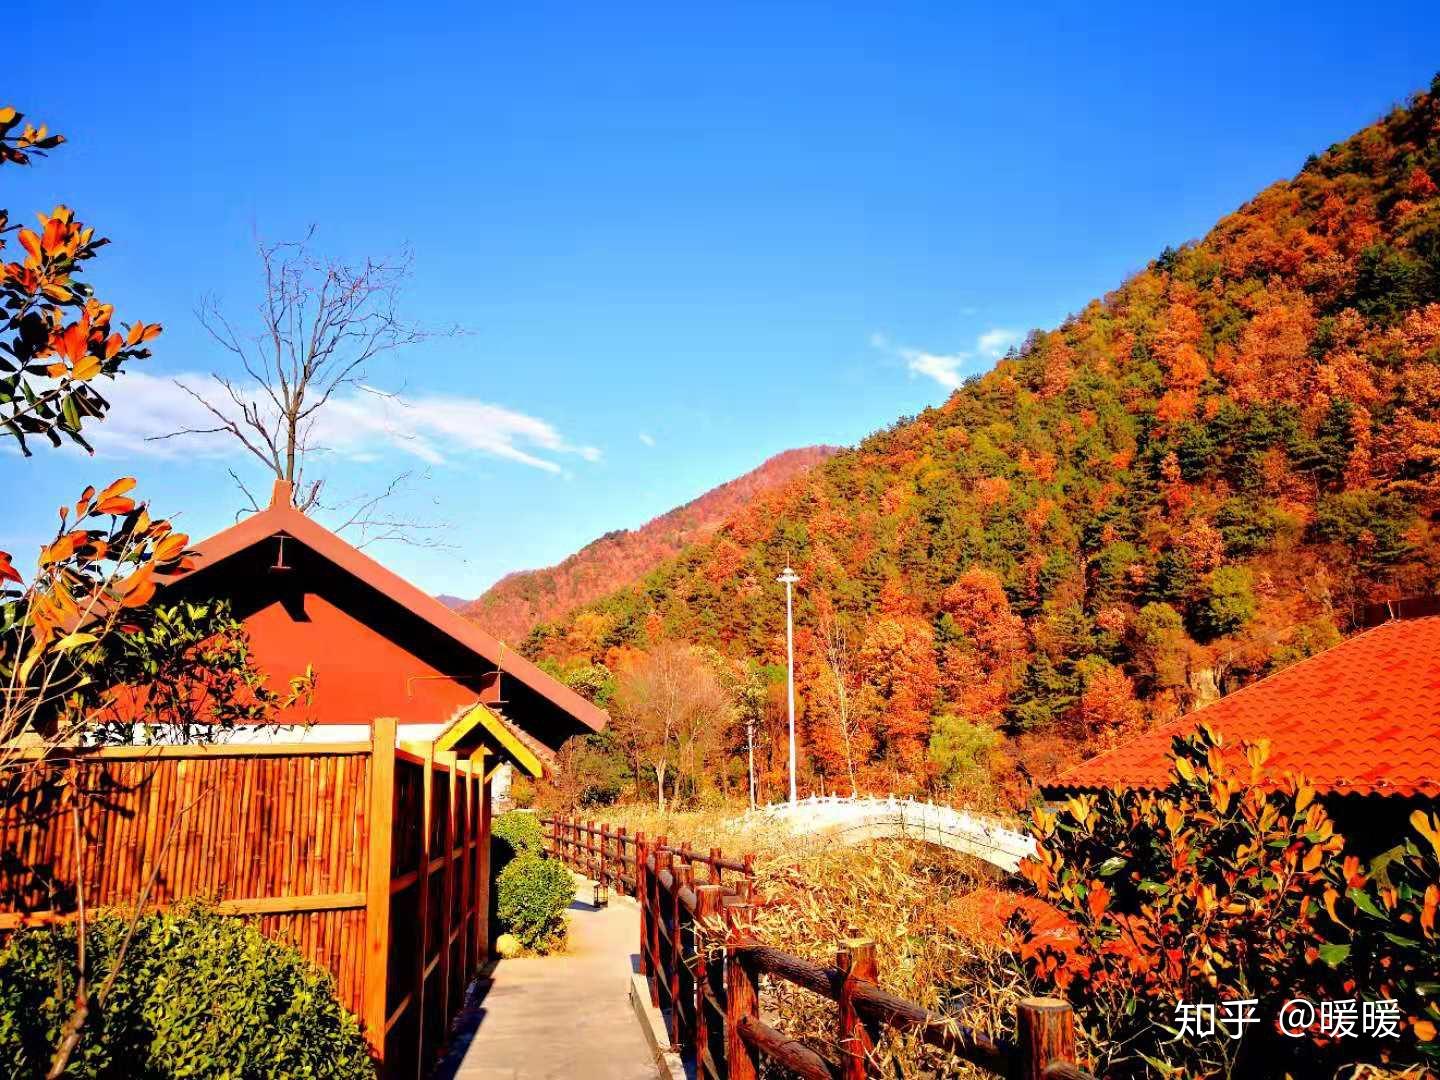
(360, 674)
(371, 657)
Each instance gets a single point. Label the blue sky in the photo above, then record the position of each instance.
(681, 237)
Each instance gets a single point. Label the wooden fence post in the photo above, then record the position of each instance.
(855, 958)
(463, 776)
(1045, 1034)
(703, 933)
(422, 886)
(742, 999)
(381, 812)
(447, 893)
(659, 916)
(604, 862)
(482, 873)
(682, 984)
(621, 835)
(715, 872)
(642, 897)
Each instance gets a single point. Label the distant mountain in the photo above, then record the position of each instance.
(1210, 472)
(454, 603)
(517, 602)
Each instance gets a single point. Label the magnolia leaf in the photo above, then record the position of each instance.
(29, 665)
(1361, 899)
(1427, 827)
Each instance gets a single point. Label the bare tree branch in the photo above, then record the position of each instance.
(321, 322)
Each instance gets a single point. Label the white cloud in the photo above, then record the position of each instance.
(996, 342)
(944, 369)
(647, 439)
(947, 369)
(361, 425)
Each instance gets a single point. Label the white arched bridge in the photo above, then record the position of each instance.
(850, 821)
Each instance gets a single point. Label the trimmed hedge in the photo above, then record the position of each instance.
(533, 895)
(198, 995)
(512, 835)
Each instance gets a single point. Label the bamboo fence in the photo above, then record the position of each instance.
(373, 860)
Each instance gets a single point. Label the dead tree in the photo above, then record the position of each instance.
(321, 322)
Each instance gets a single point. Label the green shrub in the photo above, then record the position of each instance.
(512, 835)
(197, 994)
(533, 895)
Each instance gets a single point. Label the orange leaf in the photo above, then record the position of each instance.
(7, 571)
(30, 241)
(171, 548)
(1098, 900)
(111, 502)
(138, 588)
(59, 551)
(87, 368)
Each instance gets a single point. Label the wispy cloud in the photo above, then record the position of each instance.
(996, 342)
(948, 369)
(647, 439)
(361, 425)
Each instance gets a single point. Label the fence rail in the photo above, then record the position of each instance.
(704, 965)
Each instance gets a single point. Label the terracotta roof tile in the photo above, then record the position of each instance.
(1361, 718)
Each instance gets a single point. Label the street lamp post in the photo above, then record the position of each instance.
(788, 578)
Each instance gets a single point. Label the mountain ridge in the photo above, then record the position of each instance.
(519, 600)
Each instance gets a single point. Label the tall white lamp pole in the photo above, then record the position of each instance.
(789, 578)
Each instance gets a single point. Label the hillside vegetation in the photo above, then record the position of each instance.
(514, 604)
(1198, 478)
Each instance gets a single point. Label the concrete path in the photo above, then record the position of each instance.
(561, 1016)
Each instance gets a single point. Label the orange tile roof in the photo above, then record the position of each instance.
(1361, 718)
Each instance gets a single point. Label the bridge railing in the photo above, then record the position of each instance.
(704, 964)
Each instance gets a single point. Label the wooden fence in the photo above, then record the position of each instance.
(704, 967)
(373, 860)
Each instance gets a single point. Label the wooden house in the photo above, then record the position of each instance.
(378, 645)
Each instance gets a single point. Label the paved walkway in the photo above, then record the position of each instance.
(562, 1016)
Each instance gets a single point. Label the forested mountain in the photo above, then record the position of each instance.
(1198, 478)
(518, 601)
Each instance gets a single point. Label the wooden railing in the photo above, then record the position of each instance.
(703, 964)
